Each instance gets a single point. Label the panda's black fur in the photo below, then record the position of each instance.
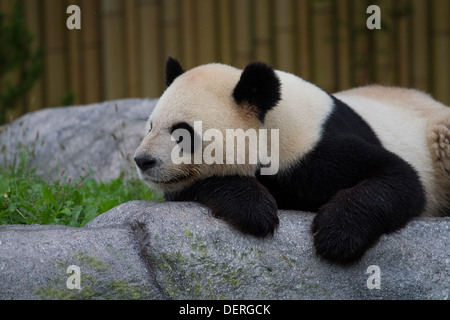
(359, 189)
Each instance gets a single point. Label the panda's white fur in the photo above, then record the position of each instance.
(300, 113)
(413, 128)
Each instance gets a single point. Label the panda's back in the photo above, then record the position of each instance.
(398, 125)
(403, 119)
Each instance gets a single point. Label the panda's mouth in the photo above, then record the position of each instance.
(175, 179)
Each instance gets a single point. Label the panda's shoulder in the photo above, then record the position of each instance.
(343, 121)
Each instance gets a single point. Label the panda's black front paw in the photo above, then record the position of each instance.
(241, 201)
(338, 238)
(259, 219)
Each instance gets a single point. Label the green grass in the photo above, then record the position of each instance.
(25, 198)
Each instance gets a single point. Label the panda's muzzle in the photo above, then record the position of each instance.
(145, 162)
(150, 171)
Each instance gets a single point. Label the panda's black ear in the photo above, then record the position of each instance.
(258, 86)
(173, 70)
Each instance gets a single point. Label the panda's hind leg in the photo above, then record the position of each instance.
(440, 144)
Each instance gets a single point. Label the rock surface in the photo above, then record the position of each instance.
(99, 138)
(161, 250)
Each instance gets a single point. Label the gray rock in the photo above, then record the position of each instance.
(98, 138)
(34, 261)
(161, 250)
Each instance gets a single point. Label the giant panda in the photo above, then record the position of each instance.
(366, 160)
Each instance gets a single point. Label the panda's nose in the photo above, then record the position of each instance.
(145, 162)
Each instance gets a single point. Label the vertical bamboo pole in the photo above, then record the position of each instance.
(243, 45)
(403, 57)
(113, 49)
(92, 83)
(189, 34)
(385, 50)
(361, 44)
(225, 34)
(207, 31)
(152, 70)
(303, 38)
(420, 57)
(323, 49)
(6, 7)
(334, 37)
(170, 23)
(441, 50)
(55, 58)
(343, 32)
(74, 57)
(430, 45)
(371, 43)
(33, 19)
(131, 44)
(284, 33)
(262, 48)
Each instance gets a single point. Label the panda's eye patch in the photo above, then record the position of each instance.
(188, 127)
(182, 125)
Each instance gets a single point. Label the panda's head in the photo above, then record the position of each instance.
(221, 97)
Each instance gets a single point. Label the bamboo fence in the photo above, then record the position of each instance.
(123, 44)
